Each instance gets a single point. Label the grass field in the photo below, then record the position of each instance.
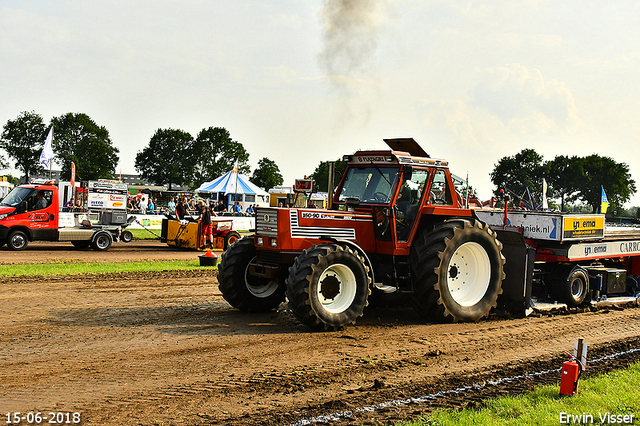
(143, 234)
(72, 267)
(611, 398)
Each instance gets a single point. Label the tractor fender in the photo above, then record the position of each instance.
(357, 248)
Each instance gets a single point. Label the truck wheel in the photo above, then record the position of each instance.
(243, 291)
(126, 236)
(102, 241)
(456, 271)
(81, 244)
(17, 241)
(230, 238)
(328, 286)
(571, 289)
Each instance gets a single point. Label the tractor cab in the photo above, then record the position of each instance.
(396, 185)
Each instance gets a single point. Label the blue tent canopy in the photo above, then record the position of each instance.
(227, 184)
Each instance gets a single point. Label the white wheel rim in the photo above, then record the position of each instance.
(468, 274)
(336, 288)
(262, 290)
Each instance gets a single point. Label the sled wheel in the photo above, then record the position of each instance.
(243, 291)
(126, 236)
(17, 241)
(571, 289)
(456, 271)
(102, 241)
(230, 238)
(328, 286)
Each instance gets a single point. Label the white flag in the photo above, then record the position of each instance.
(232, 186)
(47, 150)
(545, 203)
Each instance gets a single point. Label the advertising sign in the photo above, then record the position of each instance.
(583, 227)
(106, 201)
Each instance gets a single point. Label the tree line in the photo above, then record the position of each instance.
(570, 179)
(172, 157)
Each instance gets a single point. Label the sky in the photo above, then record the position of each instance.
(305, 81)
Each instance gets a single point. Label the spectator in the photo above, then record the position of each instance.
(181, 209)
(220, 207)
(68, 207)
(171, 206)
(151, 206)
(237, 208)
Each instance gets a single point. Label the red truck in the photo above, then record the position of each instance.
(30, 212)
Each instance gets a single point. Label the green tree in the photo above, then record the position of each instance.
(603, 172)
(520, 172)
(77, 138)
(267, 175)
(214, 153)
(563, 176)
(321, 174)
(167, 160)
(23, 139)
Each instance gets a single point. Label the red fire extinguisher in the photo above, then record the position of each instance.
(571, 371)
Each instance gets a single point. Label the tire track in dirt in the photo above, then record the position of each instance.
(168, 349)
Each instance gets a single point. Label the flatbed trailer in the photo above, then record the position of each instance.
(577, 258)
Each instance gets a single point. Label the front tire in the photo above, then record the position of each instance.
(243, 291)
(328, 286)
(456, 271)
(17, 241)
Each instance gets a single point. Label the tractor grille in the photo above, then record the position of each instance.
(266, 257)
(318, 231)
(267, 222)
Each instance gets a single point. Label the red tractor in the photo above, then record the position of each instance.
(396, 224)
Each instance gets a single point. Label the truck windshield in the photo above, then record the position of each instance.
(15, 197)
(369, 184)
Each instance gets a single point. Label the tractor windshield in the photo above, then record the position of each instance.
(369, 184)
(16, 196)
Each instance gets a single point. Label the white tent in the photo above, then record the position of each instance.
(248, 193)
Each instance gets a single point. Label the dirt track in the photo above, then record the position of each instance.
(165, 348)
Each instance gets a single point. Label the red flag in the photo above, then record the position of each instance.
(73, 174)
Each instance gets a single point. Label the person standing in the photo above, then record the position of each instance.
(206, 225)
(171, 206)
(181, 209)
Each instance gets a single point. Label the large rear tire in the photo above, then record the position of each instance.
(243, 291)
(328, 287)
(456, 271)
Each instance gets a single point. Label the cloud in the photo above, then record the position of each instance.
(524, 101)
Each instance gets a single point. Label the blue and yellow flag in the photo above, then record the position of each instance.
(604, 203)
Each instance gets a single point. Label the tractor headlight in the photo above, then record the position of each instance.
(259, 241)
(273, 242)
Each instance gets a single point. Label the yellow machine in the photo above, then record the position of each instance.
(188, 234)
